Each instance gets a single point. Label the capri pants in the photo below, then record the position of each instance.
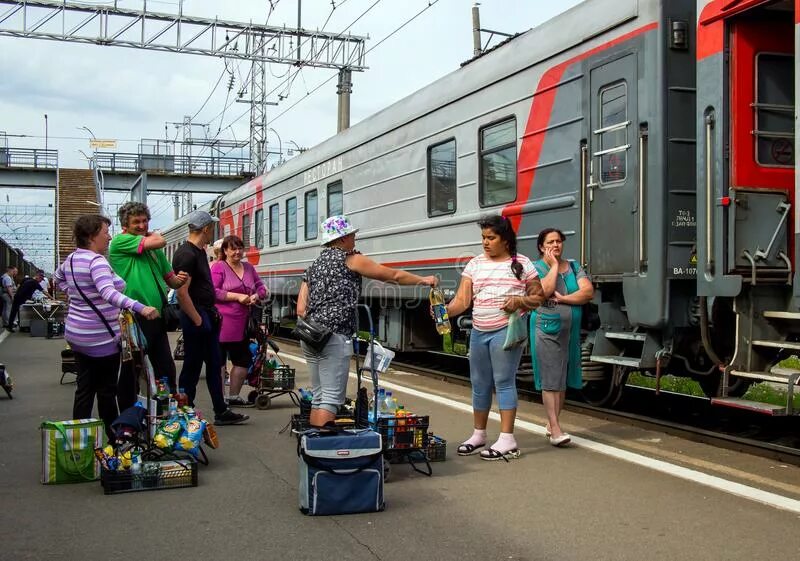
(329, 369)
(490, 365)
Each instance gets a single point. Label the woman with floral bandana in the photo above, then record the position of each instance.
(329, 296)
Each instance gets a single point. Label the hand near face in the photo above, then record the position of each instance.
(549, 258)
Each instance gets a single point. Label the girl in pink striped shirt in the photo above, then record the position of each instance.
(496, 283)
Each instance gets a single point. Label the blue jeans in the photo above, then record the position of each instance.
(201, 345)
(490, 365)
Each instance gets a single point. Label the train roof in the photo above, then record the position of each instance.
(585, 21)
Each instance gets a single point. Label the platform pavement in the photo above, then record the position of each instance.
(551, 504)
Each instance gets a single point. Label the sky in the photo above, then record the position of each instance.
(130, 94)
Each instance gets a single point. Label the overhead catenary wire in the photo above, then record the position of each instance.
(431, 3)
(300, 66)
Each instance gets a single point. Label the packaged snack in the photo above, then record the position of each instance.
(167, 433)
(192, 436)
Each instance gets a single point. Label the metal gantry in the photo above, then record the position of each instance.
(179, 33)
(142, 29)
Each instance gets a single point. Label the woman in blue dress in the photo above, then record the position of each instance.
(556, 328)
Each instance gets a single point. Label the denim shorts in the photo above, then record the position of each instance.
(329, 370)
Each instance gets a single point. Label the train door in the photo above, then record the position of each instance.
(762, 159)
(612, 179)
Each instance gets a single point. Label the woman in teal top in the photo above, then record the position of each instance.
(556, 328)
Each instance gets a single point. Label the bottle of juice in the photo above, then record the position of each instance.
(439, 311)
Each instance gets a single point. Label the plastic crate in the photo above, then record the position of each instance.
(437, 448)
(409, 432)
(299, 423)
(280, 378)
(170, 474)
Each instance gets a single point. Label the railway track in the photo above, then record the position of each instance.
(688, 417)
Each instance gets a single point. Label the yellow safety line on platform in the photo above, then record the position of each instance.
(724, 485)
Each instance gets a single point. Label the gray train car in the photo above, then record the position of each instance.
(588, 123)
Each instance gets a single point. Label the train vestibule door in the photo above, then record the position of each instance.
(762, 149)
(613, 166)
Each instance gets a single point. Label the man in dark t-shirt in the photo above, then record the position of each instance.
(200, 320)
(23, 294)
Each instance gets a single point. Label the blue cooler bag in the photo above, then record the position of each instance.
(340, 472)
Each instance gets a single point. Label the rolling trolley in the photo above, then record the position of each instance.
(268, 381)
(405, 439)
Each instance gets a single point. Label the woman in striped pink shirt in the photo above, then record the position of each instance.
(92, 329)
(496, 283)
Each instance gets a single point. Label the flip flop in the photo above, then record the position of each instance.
(492, 455)
(467, 449)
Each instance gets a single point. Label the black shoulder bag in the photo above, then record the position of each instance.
(169, 312)
(91, 304)
(312, 333)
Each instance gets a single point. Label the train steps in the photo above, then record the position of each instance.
(776, 374)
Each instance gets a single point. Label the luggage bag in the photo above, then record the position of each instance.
(340, 472)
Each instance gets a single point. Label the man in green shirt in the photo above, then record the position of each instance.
(137, 256)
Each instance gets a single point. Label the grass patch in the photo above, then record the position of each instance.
(765, 392)
(669, 383)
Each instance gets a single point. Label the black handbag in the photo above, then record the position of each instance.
(311, 333)
(169, 312)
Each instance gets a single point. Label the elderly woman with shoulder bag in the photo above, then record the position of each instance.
(92, 327)
(327, 301)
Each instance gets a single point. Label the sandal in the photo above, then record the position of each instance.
(468, 449)
(492, 455)
(560, 441)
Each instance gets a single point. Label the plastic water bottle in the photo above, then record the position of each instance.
(387, 405)
(381, 402)
(173, 406)
(440, 316)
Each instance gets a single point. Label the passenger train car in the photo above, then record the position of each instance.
(657, 134)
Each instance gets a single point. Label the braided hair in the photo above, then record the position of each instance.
(501, 226)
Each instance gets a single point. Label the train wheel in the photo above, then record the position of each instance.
(263, 402)
(606, 392)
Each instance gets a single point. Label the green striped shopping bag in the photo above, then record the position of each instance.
(68, 450)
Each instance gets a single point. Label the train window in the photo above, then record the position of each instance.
(246, 230)
(442, 178)
(774, 107)
(613, 133)
(259, 228)
(274, 225)
(335, 199)
(291, 220)
(498, 163)
(311, 215)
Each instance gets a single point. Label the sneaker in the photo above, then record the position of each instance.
(228, 417)
(237, 401)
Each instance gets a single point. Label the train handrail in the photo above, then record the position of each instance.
(709, 121)
(584, 188)
(642, 191)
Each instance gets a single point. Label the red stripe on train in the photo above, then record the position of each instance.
(413, 263)
(541, 110)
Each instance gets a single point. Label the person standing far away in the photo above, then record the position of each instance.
(9, 287)
(200, 320)
(496, 283)
(24, 293)
(137, 256)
